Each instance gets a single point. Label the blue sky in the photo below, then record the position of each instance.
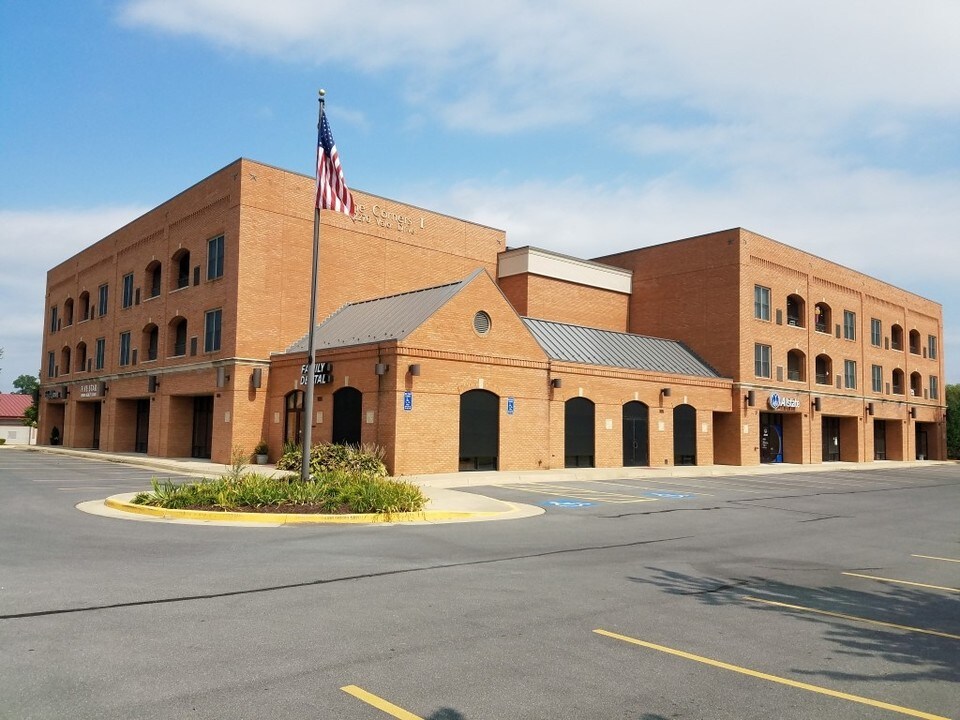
(581, 126)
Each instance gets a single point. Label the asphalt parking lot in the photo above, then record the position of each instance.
(816, 595)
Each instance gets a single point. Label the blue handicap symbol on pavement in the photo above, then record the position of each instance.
(569, 504)
(664, 495)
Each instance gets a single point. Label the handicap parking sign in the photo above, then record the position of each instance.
(664, 495)
(567, 504)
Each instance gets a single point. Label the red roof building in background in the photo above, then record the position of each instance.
(12, 408)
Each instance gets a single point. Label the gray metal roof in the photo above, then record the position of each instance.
(590, 346)
(387, 318)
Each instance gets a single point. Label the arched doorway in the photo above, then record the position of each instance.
(684, 435)
(347, 416)
(636, 434)
(579, 432)
(293, 417)
(479, 430)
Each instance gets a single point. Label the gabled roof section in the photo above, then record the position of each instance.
(14, 405)
(591, 346)
(388, 318)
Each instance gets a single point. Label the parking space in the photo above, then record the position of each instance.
(794, 596)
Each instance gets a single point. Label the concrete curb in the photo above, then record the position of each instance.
(122, 503)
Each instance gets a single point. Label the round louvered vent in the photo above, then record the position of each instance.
(481, 323)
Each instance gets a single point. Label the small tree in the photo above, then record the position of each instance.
(953, 421)
(26, 384)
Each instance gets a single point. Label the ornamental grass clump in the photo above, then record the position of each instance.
(329, 492)
(366, 460)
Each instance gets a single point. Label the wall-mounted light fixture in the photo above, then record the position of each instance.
(665, 392)
(751, 398)
(869, 408)
(380, 369)
(153, 382)
(817, 404)
(415, 369)
(256, 378)
(913, 412)
(222, 376)
(556, 382)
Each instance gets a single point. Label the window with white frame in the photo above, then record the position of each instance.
(876, 331)
(761, 302)
(849, 325)
(211, 331)
(850, 374)
(877, 376)
(934, 387)
(932, 347)
(124, 348)
(126, 296)
(761, 360)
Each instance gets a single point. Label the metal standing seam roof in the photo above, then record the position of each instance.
(591, 346)
(387, 318)
(14, 405)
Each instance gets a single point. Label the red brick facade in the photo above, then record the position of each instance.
(169, 389)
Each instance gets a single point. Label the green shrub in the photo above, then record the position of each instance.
(366, 460)
(3, 441)
(333, 492)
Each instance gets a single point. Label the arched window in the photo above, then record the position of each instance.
(479, 430)
(84, 301)
(636, 434)
(824, 370)
(68, 312)
(896, 337)
(65, 361)
(915, 342)
(898, 382)
(822, 317)
(796, 311)
(579, 432)
(684, 435)
(81, 356)
(293, 417)
(181, 262)
(347, 416)
(178, 337)
(150, 341)
(916, 384)
(796, 365)
(153, 278)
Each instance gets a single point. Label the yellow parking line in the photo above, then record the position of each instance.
(852, 617)
(903, 582)
(656, 488)
(379, 703)
(588, 495)
(774, 678)
(934, 557)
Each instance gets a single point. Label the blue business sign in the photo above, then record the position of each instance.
(509, 406)
(407, 400)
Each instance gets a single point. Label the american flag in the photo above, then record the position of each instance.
(332, 190)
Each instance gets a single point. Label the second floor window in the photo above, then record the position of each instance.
(124, 348)
(54, 318)
(102, 301)
(932, 347)
(51, 365)
(761, 302)
(211, 331)
(875, 332)
(934, 388)
(127, 298)
(850, 374)
(761, 360)
(876, 373)
(101, 355)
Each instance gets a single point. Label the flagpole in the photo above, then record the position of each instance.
(311, 335)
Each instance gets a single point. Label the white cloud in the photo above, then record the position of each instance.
(32, 242)
(531, 63)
